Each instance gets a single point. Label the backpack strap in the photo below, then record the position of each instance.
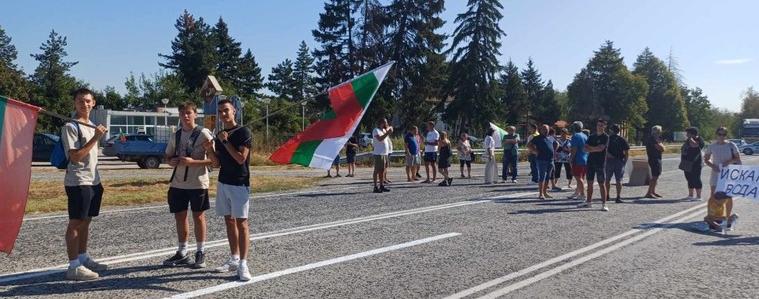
(177, 141)
(193, 138)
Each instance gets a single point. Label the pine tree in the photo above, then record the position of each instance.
(474, 65)
(548, 110)
(249, 80)
(51, 79)
(193, 51)
(281, 80)
(12, 81)
(303, 74)
(228, 54)
(605, 88)
(665, 103)
(514, 103)
(335, 61)
(533, 88)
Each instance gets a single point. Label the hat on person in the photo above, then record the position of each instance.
(721, 195)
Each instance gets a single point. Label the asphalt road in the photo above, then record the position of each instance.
(419, 240)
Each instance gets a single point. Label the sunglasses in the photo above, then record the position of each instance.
(722, 134)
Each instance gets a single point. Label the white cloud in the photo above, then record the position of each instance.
(734, 61)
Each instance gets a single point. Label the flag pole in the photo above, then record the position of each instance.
(67, 119)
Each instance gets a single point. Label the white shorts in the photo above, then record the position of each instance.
(232, 200)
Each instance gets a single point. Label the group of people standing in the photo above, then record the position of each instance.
(191, 151)
(586, 157)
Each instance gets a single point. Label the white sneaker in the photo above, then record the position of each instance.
(243, 273)
(604, 208)
(94, 266)
(585, 205)
(573, 196)
(81, 273)
(513, 181)
(229, 266)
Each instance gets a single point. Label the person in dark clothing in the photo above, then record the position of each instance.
(616, 158)
(543, 148)
(654, 150)
(691, 162)
(597, 145)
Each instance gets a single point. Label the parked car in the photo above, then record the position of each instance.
(364, 139)
(739, 142)
(141, 149)
(42, 146)
(112, 145)
(750, 149)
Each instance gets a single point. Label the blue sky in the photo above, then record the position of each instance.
(715, 42)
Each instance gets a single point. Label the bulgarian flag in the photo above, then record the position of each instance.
(319, 144)
(17, 122)
(498, 136)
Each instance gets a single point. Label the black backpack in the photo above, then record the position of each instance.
(188, 151)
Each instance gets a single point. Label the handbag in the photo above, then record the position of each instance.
(686, 165)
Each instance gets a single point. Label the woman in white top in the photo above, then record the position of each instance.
(465, 155)
(720, 154)
(489, 157)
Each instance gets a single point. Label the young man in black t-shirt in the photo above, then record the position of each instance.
(596, 146)
(616, 159)
(232, 155)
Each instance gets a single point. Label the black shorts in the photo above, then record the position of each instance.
(84, 201)
(597, 172)
(655, 165)
(430, 156)
(197, 199)
(351, 158)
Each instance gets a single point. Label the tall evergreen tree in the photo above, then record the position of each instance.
(303, 74)
(12, 81)
(548, 110)
(335, 60)
(281, 80)
(514, 103)
(52, 81)
(249, 79)
(228, 54)
(665, 103)
(193, 51)
(414, 43)
(474, 65)
(606, 88)
(533, 88)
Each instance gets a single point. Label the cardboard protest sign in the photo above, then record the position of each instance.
(739, 181)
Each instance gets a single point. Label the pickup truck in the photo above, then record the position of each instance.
(145, 151)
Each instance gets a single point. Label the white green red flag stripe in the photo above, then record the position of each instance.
(17, 122)
(498, 136)
(319, 144)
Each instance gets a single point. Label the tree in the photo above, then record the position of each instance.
(335, 60)
(605, 88)
(228, 54)
(52, 83)
(303, 74)
(110, 99)
(414, 43)
(750, 105)
(514, 103)
(474, 65)
(533, 88)
(193, 51)
(665, 103)
(701, 114)
(12, 81)
(249, 80)
(281, 80)
(548, 110)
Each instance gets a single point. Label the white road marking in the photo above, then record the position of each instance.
(566, 256)
(574, 263)
(273, 234)
(272, 275)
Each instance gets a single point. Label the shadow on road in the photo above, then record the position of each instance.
(731, 241)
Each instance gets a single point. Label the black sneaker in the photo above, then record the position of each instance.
(383, 189)
(418, 175)
(443, 183)
(177, 260)
(619, 200)
(377, 190)
(200, 260)
(450, 180)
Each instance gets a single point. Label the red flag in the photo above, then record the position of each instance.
(17, 122)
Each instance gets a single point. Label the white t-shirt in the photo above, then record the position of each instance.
(84, 172)
(381, 147)
(489, 142)
(721, 153)
(432, 136)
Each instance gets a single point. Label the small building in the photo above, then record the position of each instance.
(160, 124)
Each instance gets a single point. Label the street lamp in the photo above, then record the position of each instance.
(303, 115)
(165, 101)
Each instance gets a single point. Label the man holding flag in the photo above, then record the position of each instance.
(83, 187)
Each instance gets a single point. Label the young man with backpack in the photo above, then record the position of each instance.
(189, 184)
(232, 155)
(82, 183)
